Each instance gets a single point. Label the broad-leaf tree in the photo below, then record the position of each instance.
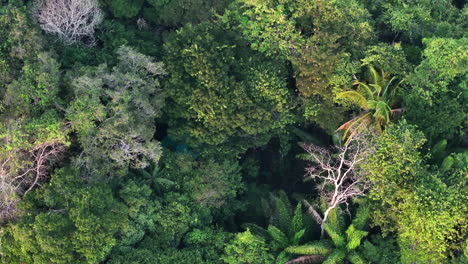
(68, 220)
(114, 112)
(223, 95)
(424, 207)
(32, 133)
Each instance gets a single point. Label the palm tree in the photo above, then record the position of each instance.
(342, 244)
(287, 227)
(374, 97)
(153, 175)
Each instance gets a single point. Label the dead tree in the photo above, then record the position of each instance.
(336, 176)
(70, 20)
(21, 171)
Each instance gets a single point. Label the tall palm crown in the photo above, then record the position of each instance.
(342, 244)
(287, 227)
(375, 97)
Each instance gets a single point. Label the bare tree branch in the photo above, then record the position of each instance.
(336, 177)
(21, 171)
(69, 20)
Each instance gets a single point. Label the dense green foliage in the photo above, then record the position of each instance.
(222, 93)
(174, 131)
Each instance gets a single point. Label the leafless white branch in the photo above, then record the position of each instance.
(336, 176)
(70, 20)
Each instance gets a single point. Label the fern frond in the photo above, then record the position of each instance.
(284, 197)
(322, 247)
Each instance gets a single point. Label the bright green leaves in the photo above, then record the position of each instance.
(322, 247)
(427, 213)
(287, 228)
(67, 221)
(37, 88)
(269, 29)
(355, 97)
(397, 161)
(422, 18)
(343, 244)
(288, 28)
(374, 98)
(437, 100)
(319, 38)
(223, 94)
(354, 237)
(280, 240)
(247, 248)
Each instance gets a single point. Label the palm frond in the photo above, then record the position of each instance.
(376, 79)
(257, 230)
(280, 238)
(361, 217)
(377, 89)
(357, 126)
(297, 236)
(364, 89)
(393, 92)
(335, 234)
(354, 97)
(322, 248)
(382, 112)
(354, 237)
(297, 221)
(310, 259)
(387, 86)
(164, 182)
(344, 126)
(282, 257)
(283, 212)
(337, 257)
(355, 258)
